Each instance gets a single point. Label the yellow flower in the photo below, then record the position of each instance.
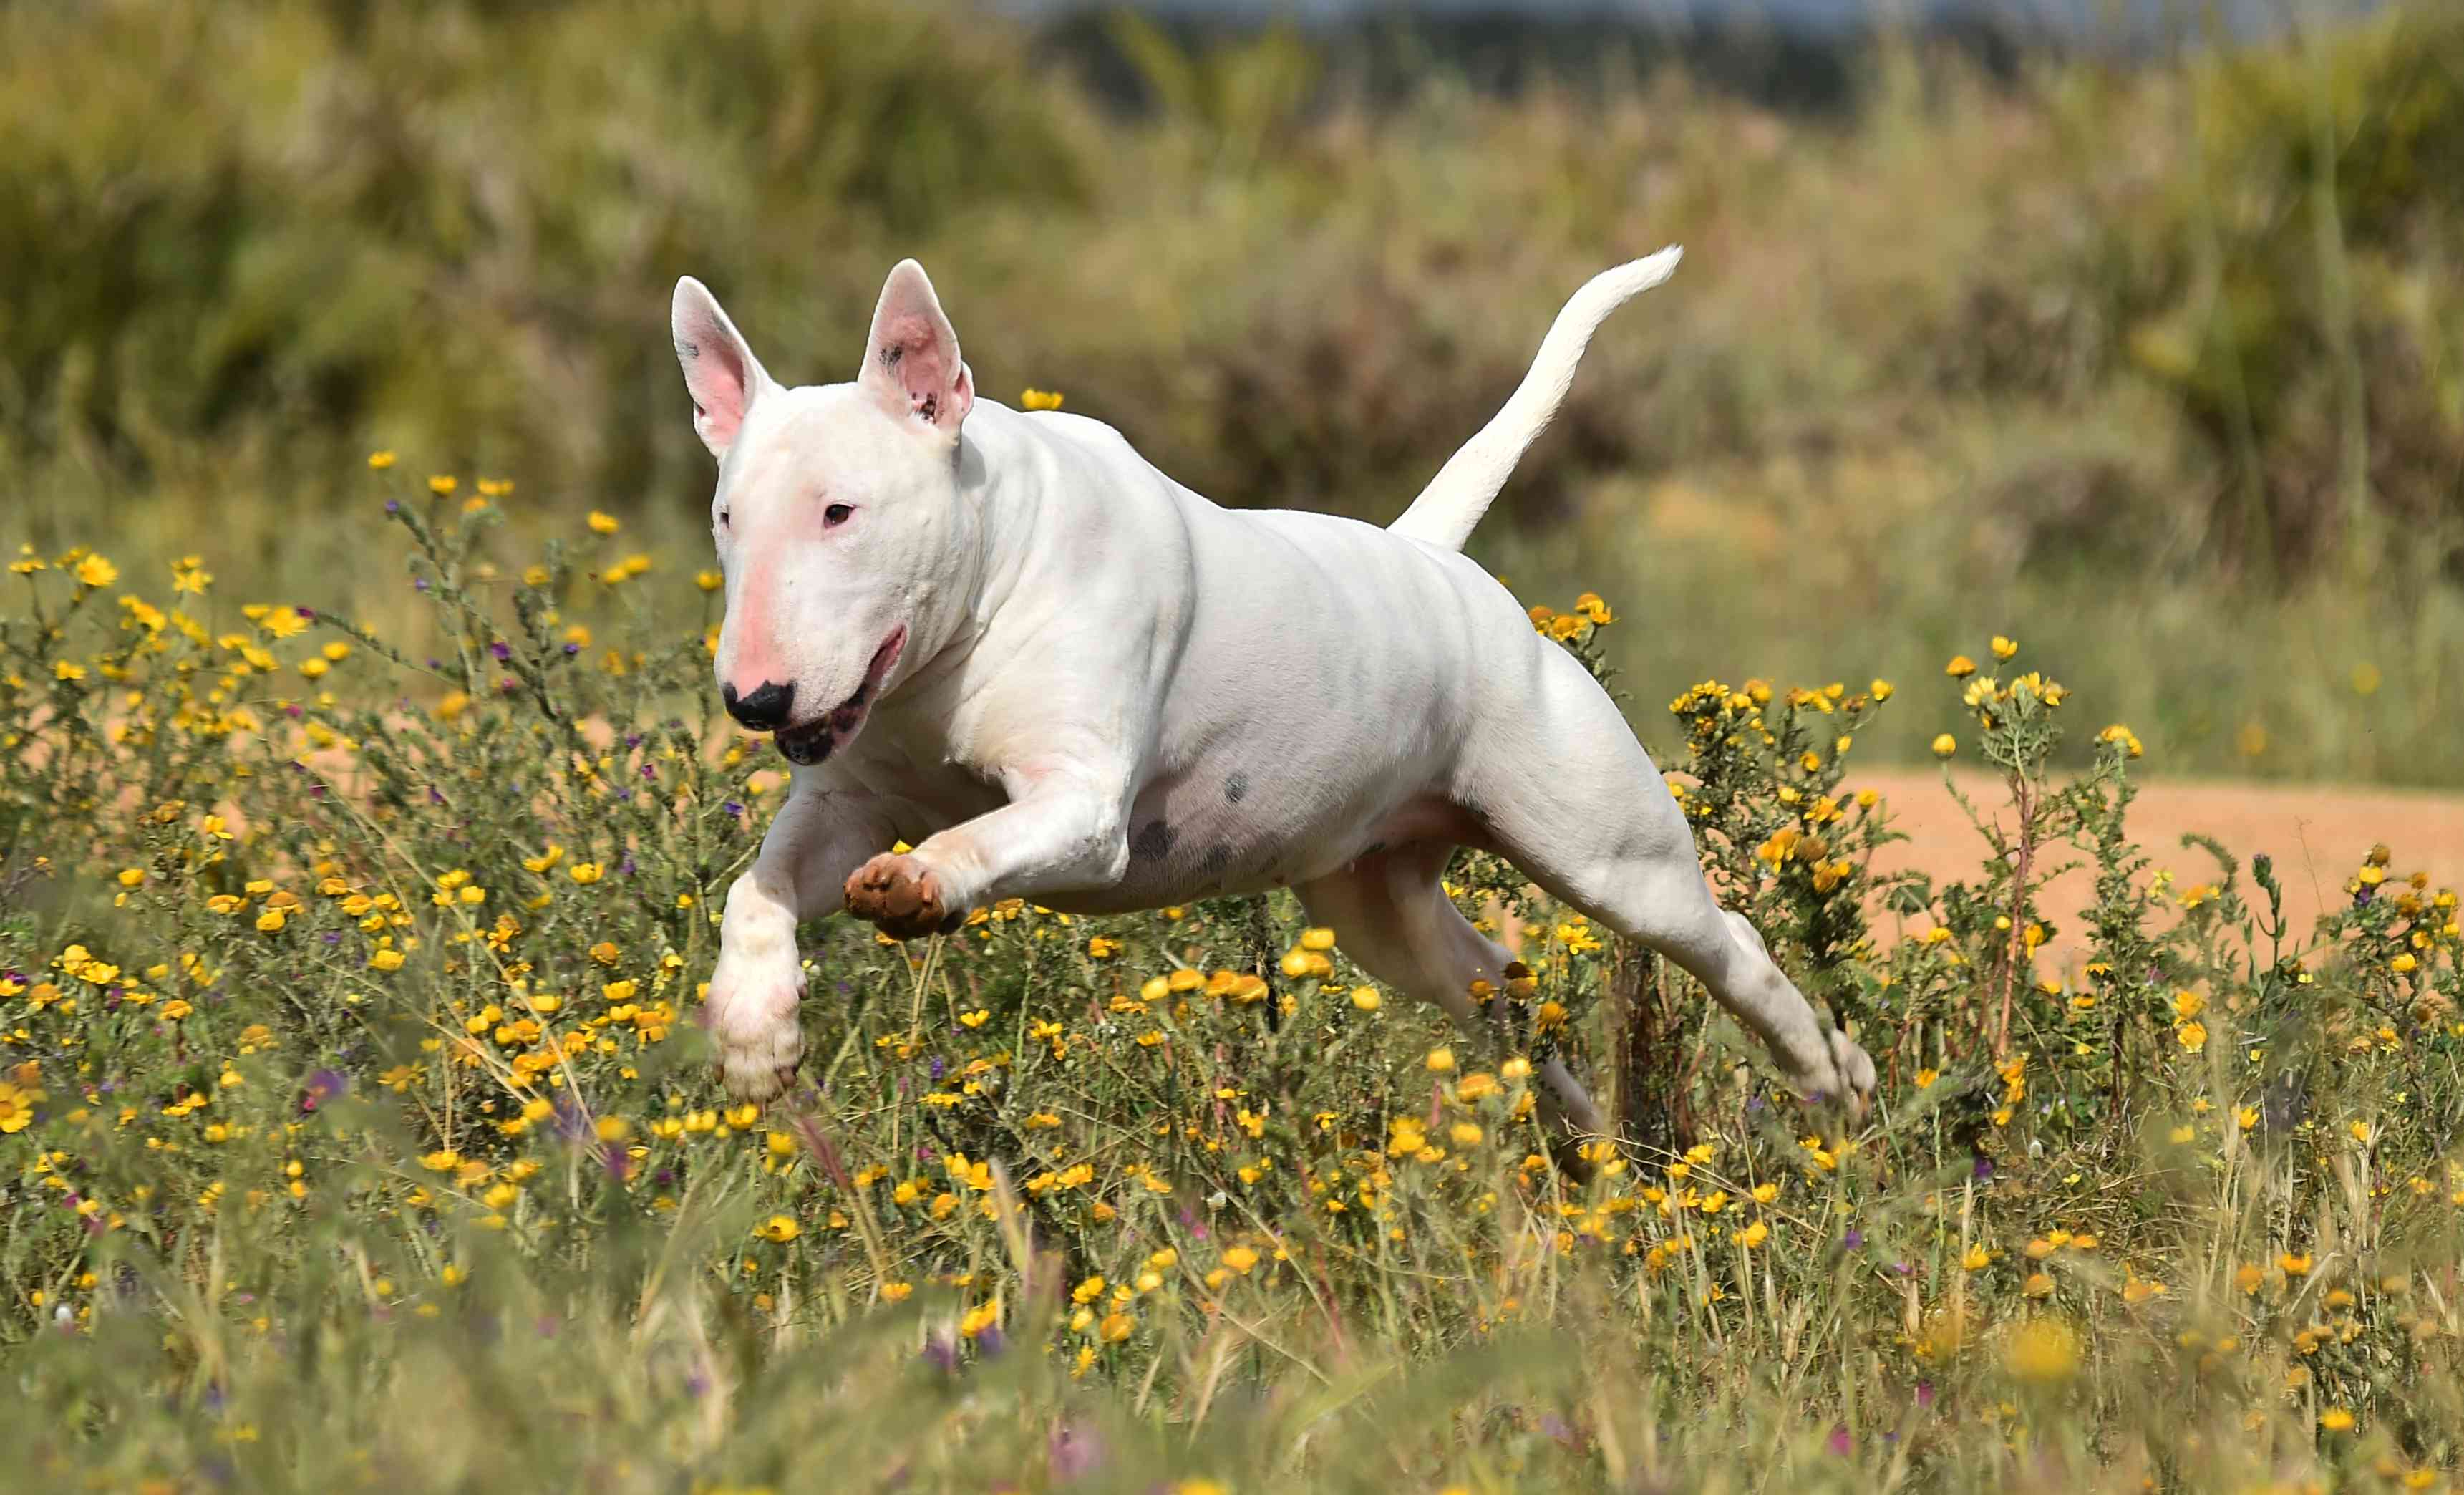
(16, 1107)
(1976, 1259)
(1945, 745)
(2042, 1352)
(380, 460)
(442, 484)
(387, 959)
(583, 872)
(602, 524)
(707, 581)
(1365, 997)
(1441, 1061)
(1752, 1235)
(1960, 668)
(2004, 648)
(63, 669)
(1040, 399)
(1240, 1259)
(269, 921)
(2336, 1419)
(96, 571)
(2192, 1036)
(780, 1228)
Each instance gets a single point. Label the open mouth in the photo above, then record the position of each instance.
(820, 736)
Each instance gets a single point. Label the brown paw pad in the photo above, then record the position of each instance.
(899, 894)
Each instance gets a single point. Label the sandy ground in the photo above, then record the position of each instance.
(2316, 833)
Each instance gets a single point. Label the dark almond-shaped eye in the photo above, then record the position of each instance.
(836, 514)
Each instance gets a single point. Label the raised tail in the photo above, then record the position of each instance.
(1452, 504)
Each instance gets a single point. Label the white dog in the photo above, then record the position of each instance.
(1007, 639)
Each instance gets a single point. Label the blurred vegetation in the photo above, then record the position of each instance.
(2160, 362)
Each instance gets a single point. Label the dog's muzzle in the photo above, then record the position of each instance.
(817, 739)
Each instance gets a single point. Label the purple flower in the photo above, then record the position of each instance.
(733, 808)
(393, 506)
(502, 649)
(572, 648)
(323, 1085)
(1984, 1166)
(1925, 1395)
(942, 1349)
(1073, 1452)
(1854, 1238)
(1840, 1442)
(419, 583)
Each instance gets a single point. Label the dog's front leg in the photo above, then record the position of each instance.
(799, 874)
(1065, 827)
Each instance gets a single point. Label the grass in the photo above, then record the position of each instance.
(355, 1128)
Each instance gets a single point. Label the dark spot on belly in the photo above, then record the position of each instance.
(1217, 858)
(1153, 842)
(1236, 788)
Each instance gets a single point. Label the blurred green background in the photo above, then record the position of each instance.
(2154, 359)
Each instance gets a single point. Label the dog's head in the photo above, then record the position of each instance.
(839, 521)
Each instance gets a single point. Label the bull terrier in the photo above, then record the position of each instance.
(1007, 639)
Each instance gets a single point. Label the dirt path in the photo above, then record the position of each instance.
(2316, 833)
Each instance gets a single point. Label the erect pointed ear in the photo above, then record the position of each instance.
(911, 361)
(721, 372)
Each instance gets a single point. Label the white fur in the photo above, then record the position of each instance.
(1113, 694)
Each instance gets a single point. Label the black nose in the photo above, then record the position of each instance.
(765, 710)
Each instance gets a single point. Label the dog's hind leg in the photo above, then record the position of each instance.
(1391, 917)
(1572, 799)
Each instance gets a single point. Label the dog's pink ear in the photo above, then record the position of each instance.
(721, 372)
(911, 361)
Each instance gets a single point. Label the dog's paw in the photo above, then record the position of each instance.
(903, 896)
(752, 1018)
(1842, 1075)
(1855, 1070)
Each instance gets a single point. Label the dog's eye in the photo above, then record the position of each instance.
(836, 514)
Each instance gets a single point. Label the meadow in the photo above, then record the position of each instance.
(356, 1129)
(366, 809)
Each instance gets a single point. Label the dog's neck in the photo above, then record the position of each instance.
(996, 530)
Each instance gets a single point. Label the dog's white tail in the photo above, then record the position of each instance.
(1452, 504)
